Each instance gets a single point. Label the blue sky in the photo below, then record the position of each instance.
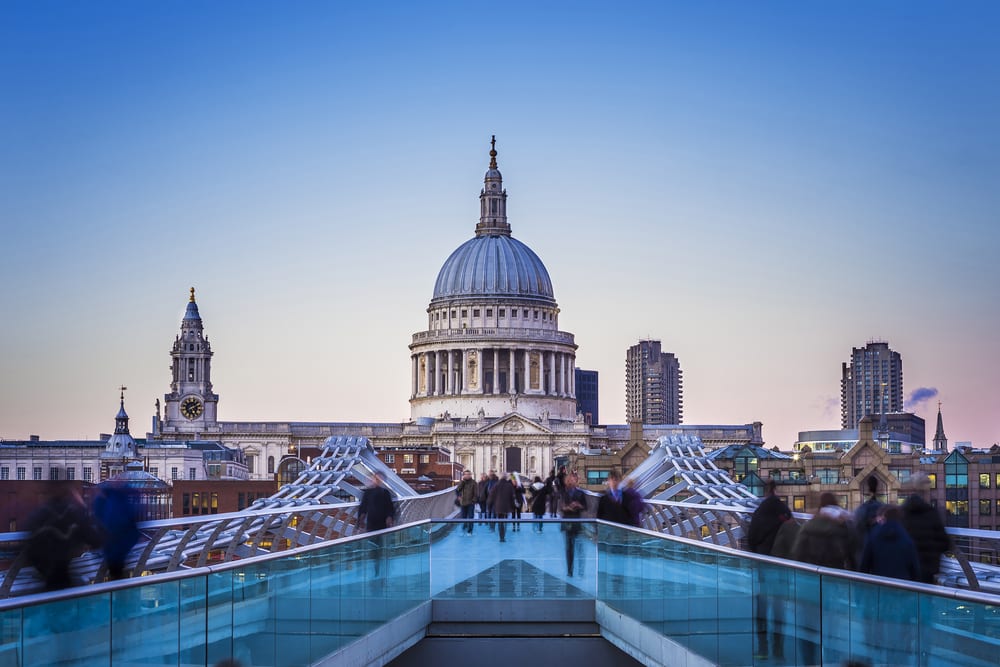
(761, 187)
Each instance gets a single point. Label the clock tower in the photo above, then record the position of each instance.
(191, 407)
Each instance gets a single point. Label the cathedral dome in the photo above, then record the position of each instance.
(487, 266)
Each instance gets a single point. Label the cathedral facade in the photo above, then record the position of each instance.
(492, 376)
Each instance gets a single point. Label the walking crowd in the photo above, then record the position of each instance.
(903, 541)
(559, 495)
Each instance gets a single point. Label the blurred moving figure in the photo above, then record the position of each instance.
(765, 526)
(828, 539)
(922, 521)
(115, 514)
(889, 551)
(59, 531)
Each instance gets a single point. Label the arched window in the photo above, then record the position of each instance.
(270, 465)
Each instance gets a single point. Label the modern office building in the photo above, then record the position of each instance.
(871, 383)
(903, 433)
(586, 396)
(653, 385)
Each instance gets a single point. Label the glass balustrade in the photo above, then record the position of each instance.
(298, 606)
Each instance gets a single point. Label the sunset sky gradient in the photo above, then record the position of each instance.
(761, 186)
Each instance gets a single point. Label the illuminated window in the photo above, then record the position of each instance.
(984, 507)
(595, 477)
(425, 458)
(407, 458)
(798, 503)
(984, 480)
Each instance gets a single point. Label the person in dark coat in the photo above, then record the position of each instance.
(539, 496)
(866, 516)
(481, 493)
(828, 539)
(466, 494)
(502, 501)
(925, 527)
(889, 551)
(634, 503)
(573, 503)
(377, 512)
(765, 524)
(767, 519)
(611, 506)
(518, 501)
(491, 513)
(115, 515)
(59, 531)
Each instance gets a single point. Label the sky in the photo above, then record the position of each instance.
(760, 186)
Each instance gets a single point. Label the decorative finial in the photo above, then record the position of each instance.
(192, 295)
(123, 388)
(493, 152)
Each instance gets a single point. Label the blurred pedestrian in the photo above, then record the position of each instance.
(501, 499)
(889, 551)
(518, 501)
(539, 494)
(765, 525)
(828, 539)
(115, 514)
(611, 506)
(634, 503)
(925, 527)
(59, 531)
(573, 503)
(866, 516)
(466, 493)
(376, 512)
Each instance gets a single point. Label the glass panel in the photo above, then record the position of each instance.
(68, 632)
(193, 644)
(145, 624)
(10, 637)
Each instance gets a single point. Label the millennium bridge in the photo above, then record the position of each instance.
(293, 581)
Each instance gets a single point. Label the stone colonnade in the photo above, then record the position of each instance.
(493, 370)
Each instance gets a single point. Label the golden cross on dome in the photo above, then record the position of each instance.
(493, 152)
(192, 295)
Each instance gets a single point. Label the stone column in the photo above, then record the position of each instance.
(496, 370)
(562, 373)
(512, 353)
(482, 371)
(541, 371)
(463, 370)
(449, 383)
(552, 375)
(428, 375)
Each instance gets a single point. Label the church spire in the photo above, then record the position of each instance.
(493, 200)
(940, 440)
(121, 419)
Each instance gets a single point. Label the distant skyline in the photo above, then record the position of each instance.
(760, 187)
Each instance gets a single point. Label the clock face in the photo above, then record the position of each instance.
(192, 407)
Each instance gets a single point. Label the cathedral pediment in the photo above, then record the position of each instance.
(515, 424)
